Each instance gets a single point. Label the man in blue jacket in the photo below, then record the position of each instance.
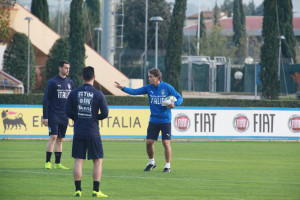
(160, 118)
(83, 106)
(56, 94)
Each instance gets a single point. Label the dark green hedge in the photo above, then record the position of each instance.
(37, 99)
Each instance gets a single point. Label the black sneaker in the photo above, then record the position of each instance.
(167, 169)
(149, 167)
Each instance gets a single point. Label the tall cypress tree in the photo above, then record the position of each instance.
(40, 9)
(36, 8)
(76, 38)
(59, 51)
(203, 41)
(15, 60)
(250, 9)
(285, 16)
(239, 30)
(270, 87)
(46, 12)
(202, 26)
(174, 45)
(227, 7)
(216, 15)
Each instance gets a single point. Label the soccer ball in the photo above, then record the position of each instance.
(168, 100)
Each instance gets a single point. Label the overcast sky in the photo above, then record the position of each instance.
(192, 6)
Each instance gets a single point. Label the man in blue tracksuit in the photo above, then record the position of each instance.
(56, 94)
(160, 118)
(83, 106)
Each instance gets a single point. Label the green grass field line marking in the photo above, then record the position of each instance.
(201, 159)
(238, 161)
(179, 159)
(154, 178)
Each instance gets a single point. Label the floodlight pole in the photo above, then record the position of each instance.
(156, 20)
(146, 42)
(28, 54)
(255, 80)
(156, 43)
(198, 30)
(98, 29)
(279, 54)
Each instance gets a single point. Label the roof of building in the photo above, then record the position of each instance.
(253, 26)
(206, 15)
(11, 77)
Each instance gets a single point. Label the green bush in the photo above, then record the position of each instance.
(37, 99)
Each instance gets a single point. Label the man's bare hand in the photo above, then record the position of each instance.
(172, 105)
(45, 122)
(118, 85)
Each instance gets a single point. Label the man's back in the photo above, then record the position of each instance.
(83, 107)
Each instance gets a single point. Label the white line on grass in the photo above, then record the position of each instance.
(202, 159)
(154, 178)
(239, 161)
(185, 159)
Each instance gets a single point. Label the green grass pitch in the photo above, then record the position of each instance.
(200, 170)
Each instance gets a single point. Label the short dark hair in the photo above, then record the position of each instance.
(155, 72)
(61, 63)
(88, 73)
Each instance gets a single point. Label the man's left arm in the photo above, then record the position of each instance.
(69, 108)
(178, 97)
(103, 108)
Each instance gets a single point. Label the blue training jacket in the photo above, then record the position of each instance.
(83, 107)
(55, 97)
(159, 113)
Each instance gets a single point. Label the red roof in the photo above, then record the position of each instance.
(11, 77)
(252, 23)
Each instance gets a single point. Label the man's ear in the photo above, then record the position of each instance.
(82, 78)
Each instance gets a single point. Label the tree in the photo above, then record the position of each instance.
(92, 20)
(259, 11)
(5, 6)
(239, 31)
(250, 8)
(202, 26)
(216, 44)
(189, 45)
(16, 58)
(41, 10)
(174, 45)
(64, 23)
(285, 16)
(76, 39)
(227, 7)
(134, 23)
(216, 15)
(59, 51)
(202, 33)
(270, 87)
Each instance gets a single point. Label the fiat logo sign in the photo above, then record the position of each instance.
(294, 123)
(182, 122)
(240, 123)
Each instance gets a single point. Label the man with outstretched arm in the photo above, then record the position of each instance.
(160, 118)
